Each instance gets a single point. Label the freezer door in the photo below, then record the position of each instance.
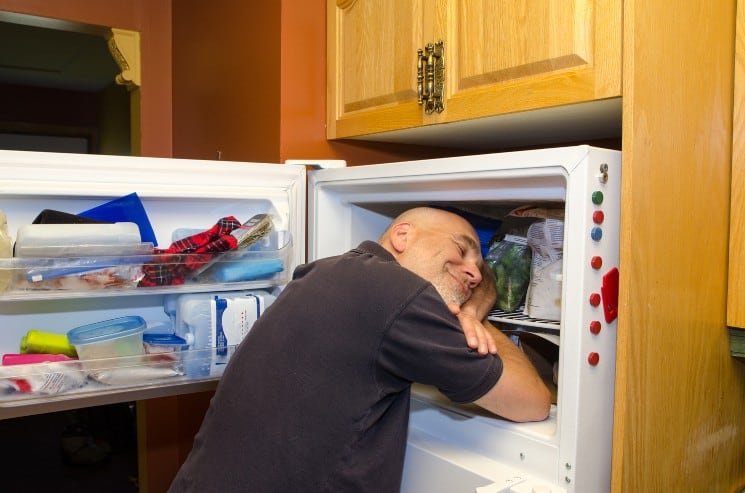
(180, 197)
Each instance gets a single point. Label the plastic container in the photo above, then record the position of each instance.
(6, 251)
(38, 236)
(109, 339)
(158, 343)
(215, 321)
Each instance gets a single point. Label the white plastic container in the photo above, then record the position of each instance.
(216, 321)
(33, 239)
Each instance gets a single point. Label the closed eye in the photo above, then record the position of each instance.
(465, 244)
(462, 249)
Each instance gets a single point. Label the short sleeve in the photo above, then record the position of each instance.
(425, 344)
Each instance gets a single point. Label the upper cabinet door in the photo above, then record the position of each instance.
(372, 72)
(499, 57)
(516, 55)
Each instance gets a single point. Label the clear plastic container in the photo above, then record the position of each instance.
(6, 251)
(159, 343)
(109, 339)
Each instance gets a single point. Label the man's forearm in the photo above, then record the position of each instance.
(520, 393)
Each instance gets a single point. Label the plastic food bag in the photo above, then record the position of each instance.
(546, 240)
(510, 259)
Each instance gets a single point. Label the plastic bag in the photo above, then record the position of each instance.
(546, 240)
(510, 259)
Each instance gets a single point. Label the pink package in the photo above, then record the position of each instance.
(22, 359)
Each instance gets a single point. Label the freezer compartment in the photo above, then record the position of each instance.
(539, 338)
(452, 469)
(465, 449)
(266, 263)
(345, 209)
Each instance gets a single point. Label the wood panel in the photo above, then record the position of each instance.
(736, 289)
(679, 421)
(500, 57)
(529, 55)
(372, 48)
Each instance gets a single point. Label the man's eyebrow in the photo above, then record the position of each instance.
(468, 240)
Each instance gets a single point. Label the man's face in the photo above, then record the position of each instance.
(447, 254)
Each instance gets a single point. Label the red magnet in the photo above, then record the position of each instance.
(594, 299)
(596, 262)
(593, 358)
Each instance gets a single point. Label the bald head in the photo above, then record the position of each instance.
(428, 218)
(439, 246)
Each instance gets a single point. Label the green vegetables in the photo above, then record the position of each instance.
(510, 260)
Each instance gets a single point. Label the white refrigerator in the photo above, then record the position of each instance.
(451, 448)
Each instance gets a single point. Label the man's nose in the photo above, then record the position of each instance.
(474, 274)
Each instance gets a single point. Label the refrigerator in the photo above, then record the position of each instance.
(326, 211)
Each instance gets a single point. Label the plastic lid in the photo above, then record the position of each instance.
(163, 339)
(108, 329)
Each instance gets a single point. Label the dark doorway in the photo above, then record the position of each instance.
(58, 94)
(59, 85)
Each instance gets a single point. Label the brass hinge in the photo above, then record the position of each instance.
(430, 77)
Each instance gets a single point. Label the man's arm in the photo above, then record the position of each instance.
(519, 394)
(476, 309)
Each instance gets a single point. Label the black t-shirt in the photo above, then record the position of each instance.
(316, 397)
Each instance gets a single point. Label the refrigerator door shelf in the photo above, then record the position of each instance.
(54, 386)
(105, 275)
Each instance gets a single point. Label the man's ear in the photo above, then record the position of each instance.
(399, 235)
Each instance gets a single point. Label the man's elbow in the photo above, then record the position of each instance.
(539, 406)
(531, 403)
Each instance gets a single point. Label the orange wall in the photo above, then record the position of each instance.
(226, 80)
(152, 18)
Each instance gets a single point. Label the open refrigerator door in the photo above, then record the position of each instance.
(150, 270)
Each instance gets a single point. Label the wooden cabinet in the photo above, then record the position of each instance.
(736, 279)
(500, 57)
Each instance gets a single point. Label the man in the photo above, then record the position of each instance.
(316, 397)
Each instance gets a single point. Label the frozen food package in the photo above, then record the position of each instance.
(546, 240)
(510, 259)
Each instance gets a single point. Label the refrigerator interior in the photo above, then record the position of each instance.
(451, 447)
(180, 197)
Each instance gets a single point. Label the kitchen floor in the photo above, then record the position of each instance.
(80, 451)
